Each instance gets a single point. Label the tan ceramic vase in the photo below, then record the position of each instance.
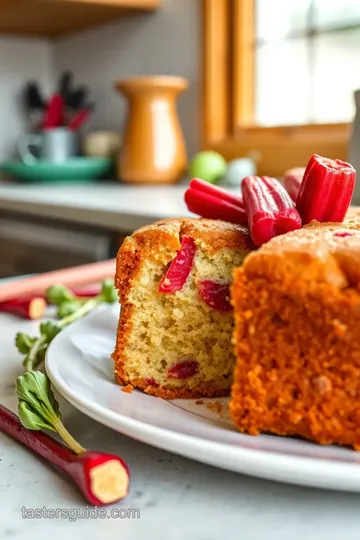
(153, 149)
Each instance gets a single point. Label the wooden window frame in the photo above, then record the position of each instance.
(228, 99)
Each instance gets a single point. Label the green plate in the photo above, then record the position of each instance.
(77, 169)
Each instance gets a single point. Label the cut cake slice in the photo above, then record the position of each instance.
(176, 321)
(297, 336)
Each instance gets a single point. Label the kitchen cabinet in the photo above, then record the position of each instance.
(52, 18)
(34, 245)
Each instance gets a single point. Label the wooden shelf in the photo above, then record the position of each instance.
(52, 18)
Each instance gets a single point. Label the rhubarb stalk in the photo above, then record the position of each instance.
(34, 348)
(102, 478)
(34, 307)
(27, 308)
(214, 203)
(269, 208)
(292, 180)
(326, 190)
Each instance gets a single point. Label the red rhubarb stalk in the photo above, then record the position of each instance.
(212, 202)
(180, 267)
(71, 277)
(87, 292)
(270, 210)
(27, 308)
(292, 180)
(326, 190)
(34, 348)
(223, 194)
(34, 307)
(102, 478)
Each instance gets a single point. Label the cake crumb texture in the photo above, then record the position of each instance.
(158, 331)
(297, 336)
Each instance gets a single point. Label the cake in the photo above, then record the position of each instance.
(176, 321)
(297, 335)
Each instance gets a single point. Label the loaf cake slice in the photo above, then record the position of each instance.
(176, 322)
(297, 336)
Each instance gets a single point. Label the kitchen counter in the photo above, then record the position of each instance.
(112, 206)
(177, 498)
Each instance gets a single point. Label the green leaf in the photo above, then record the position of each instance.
(57, 294)
(34, 389)
(24, 342)
(108, 291)
(67, 308)
(49, 330)
(38, 408)
(31, 419)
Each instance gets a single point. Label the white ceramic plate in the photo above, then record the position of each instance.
(79, 366)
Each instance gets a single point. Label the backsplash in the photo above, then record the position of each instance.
(20, 59)
(164, 43)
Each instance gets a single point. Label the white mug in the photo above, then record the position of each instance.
(57, 145)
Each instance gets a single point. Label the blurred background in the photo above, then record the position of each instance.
(108, 107)
(165, 41)
(306, 57)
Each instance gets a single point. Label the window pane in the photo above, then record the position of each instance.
(336, 75)
(279, 19)
(331, 14)
(282, 83)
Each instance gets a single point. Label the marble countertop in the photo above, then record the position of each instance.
(114, 206)
(177, 498)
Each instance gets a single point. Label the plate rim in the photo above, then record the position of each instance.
(269, 465)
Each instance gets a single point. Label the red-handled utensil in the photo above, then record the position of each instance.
(54, 112)
(80, 118)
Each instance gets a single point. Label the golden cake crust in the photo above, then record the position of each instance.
(156, 240)
(297, 336)
(160, 242)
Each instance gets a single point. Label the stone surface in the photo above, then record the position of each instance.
(177, 498)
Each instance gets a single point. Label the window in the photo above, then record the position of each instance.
(307, 61)
(278, 79)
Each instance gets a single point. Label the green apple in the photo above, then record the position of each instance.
(209, 166)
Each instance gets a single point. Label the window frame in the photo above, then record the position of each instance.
(228, 98)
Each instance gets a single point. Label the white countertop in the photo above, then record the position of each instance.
(114, 206)
(178, 499)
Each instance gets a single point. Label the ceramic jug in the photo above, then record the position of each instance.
(153, 149)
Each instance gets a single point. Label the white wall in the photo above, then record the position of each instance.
(20, 60)
(167, 42)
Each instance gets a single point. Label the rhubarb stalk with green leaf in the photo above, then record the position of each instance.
(38, 408)
(70, 309)
(102, 478)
